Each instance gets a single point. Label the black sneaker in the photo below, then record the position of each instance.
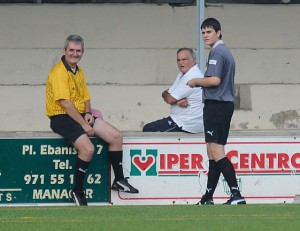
(79, 198)
(235, 200)
(123, 186)
(205, 201)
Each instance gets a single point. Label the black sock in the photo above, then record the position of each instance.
(80, 170)
(116, 159)
(228, 172)
(213, 178)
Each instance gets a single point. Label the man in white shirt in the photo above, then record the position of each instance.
(186, 113)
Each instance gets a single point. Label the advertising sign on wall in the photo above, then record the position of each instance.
(167, 169)
(172, 170)
(40, 171)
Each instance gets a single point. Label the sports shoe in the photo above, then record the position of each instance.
(205, 201)
(235, 200)
(123, 186)
(79, 198)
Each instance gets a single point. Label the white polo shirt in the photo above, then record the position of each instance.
(190, 118)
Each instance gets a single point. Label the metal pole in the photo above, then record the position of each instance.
(200, 45)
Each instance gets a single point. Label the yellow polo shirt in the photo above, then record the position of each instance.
(62, 83)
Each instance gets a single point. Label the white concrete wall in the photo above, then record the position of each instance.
(130, 58)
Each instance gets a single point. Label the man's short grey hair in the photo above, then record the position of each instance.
(74, 38)
(192, 53)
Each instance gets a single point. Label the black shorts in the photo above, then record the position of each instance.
(65, 126)
(216, 118)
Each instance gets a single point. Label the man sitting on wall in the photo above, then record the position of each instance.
(186, 103)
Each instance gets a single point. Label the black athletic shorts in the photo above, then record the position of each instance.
(216, 118)
(65, 126)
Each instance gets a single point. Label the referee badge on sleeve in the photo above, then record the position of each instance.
(212, 61)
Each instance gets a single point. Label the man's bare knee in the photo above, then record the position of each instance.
(90, 150)
(85, 148)
(86, 153)
(118, 136)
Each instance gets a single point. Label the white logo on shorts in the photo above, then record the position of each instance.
(210, 133)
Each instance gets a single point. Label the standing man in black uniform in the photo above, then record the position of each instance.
(218, 97)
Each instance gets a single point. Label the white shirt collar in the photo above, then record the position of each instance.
(217, 43)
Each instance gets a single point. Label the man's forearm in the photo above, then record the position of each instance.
(164, 94)
(88, 107)
(71, 110)
(168, 98)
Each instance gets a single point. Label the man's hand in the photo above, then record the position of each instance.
(88, 129)
(192, 83)
(89, 119)
(183, 103)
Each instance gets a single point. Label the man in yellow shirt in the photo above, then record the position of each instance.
(69, 108)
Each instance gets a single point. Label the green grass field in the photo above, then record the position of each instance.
(145, 218)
